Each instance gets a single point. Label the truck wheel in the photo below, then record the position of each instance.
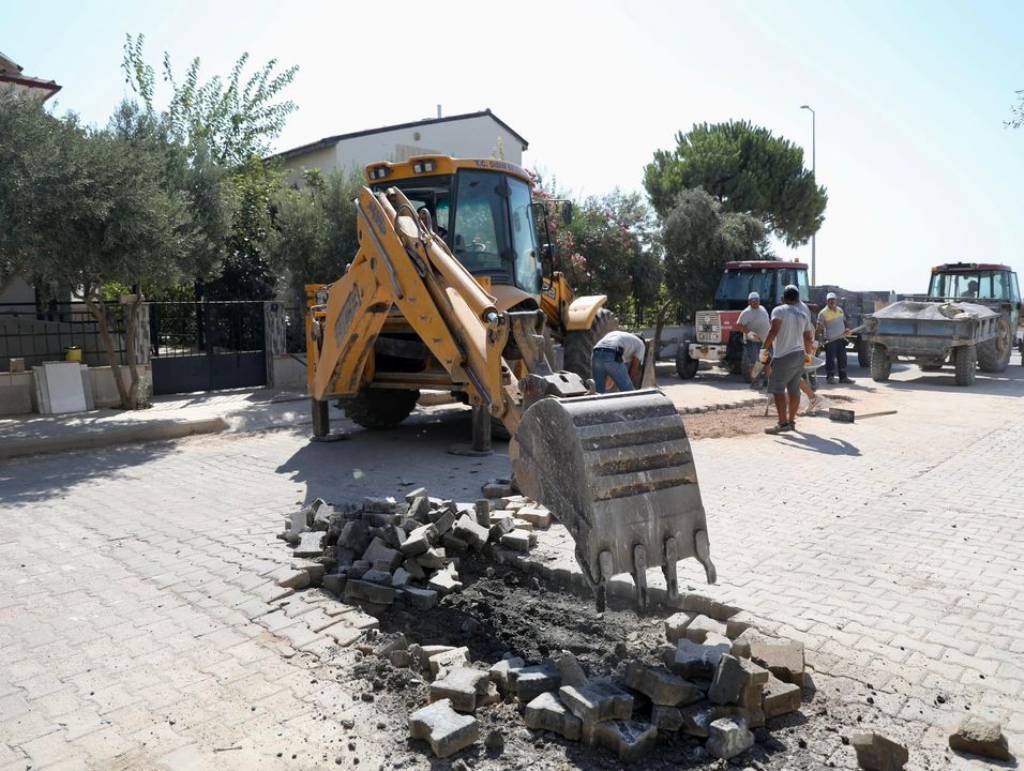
(994, 354)
(749, 360)
(685, 366)
(379, 407)
(881, 365)
(965, 358)
(577, 346)
(863, 352)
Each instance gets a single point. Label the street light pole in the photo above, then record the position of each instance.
(814, 173)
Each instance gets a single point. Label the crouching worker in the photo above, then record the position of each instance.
(790, 341)
(619, 356)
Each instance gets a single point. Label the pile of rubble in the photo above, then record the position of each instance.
(708, 686)
(380, 550)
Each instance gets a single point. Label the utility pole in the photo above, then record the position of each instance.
(814, 280)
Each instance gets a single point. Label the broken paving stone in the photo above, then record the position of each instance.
(598, 700)
(433, 558)
(661, 687)
(503, 673)
(877, 753)
(469, 530)
(445, 581)
(697, 718)
(440, 663)
(628, 739)
(781, 656)
(443, 520)
(675, 625)
(728, 737)
(978, 736)
(445, 729)
(733, 677)
(516, 540)
(779, 698)
(690, 659)
(538, 516)
(667, 718)
(419, 508)
(462, 686)
(421, 599)
(366, 591)
(701, 626)
(548, 713)
(534, 680)
(378, 551)
(570, 670)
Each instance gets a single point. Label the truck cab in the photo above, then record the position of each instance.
(716, 337)
(989, 284)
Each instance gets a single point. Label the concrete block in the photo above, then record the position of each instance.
(444, 520)
(418, 509)
(445, 581)
(783, 657)
(482, 512)
(598, 700)
(334, 583)
(414, 569)
(497, 488)
(440, 663)
(469, 530)
(980, 736)
(316, 570)
(377, 576)
(503, 674)
(666, 718)
(628, 739)
(416, 493)
(462, 686)
(570, 670)
(534, 680)
(733, 677)
(548, 713)
(738, 624)
(400, 578)
(288, 578)
(877, 753)
(701, 626)
(779, 698)
(728, 737)
(516, 540)
(661, 687)
(675, 625)
(538, 516)
(421, 599)
(445, 729)
(357, 590)
(690, 659)
(433, 558)
(378, 551)
(453, 544)
(386, 505)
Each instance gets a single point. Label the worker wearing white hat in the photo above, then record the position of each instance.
(754, 324)
(832, 325)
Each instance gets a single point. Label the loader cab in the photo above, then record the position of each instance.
(482, 209)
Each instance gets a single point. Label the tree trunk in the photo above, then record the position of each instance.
(138, 401)
(659, 324)
(99, 312)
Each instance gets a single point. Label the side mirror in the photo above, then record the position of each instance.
(567, 212)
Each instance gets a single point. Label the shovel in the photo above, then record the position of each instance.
(839, 415)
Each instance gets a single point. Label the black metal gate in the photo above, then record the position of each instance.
(207, 346)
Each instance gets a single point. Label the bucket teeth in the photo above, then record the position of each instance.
(617, 471)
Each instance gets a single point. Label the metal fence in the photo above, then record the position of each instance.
(38, 334)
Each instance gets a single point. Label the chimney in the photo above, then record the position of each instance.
(439, 111)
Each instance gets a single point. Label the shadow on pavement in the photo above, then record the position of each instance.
(814, 443)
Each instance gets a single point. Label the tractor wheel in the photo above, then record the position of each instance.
(686, 367)
(863, 352)
(750, 356)
(379, 407)
(965, 359)
(994, 354)
(881, 365)
(577, 346)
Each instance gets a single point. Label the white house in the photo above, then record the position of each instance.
(471, 135)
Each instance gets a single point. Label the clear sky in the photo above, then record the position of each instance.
(910, 97)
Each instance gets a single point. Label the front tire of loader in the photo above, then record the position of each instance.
(994, 354)
(881, 365)
(577, 346)
(965, 359)
(379, 408)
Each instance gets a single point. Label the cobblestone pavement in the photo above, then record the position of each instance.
(136, 629)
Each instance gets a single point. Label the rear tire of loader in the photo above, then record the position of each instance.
(577, 346)
(378, 408)
(965, 359)
(994, 354)
(881, 365)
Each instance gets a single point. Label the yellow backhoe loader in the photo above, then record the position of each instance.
(447, 292)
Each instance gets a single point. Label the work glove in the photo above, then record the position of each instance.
(764, 356)
(808, 360)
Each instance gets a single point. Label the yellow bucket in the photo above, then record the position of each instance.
(72, 353)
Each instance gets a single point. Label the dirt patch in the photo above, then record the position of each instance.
(747, 420)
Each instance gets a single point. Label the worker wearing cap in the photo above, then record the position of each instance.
(789, 344)
(754, 324)
(619, 356)
(832, 325)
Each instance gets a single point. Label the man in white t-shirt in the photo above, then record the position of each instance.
(791, 342)
(619, 356)
(754, 324)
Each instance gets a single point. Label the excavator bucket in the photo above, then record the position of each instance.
(617, 471)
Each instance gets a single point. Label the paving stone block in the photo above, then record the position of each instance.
(628, 739)
(445, 729)
(378, 551)
(443, 520)
(781, 656)
(433, 558)
(443, 661)
(500, 523)
(462, 686)
(733, 677)
(271, 592)
(570, 670)
(383, 505)
(291, 579)
(414, 569)
(738, 624)
(482, 512)
(728, 737)
(516, 540)
(453, 544)
(666, 718)
(400, 578)
(416, 493)
(322, 515)
(697, 718)
(980, 736)
(701, 626)
(877, 753)
(445, 581)
(534, 680)
(690, 659)
(502, 673)
(315, 570)
(364, 591)
(547, 713)
(598, 700)
(419, 508)
(334, 583)
(661, 687)
(675, 625)
(498, 488)
(538, 516)
(469, 530)
(421, 599)
(377, 576)
(779, 698)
